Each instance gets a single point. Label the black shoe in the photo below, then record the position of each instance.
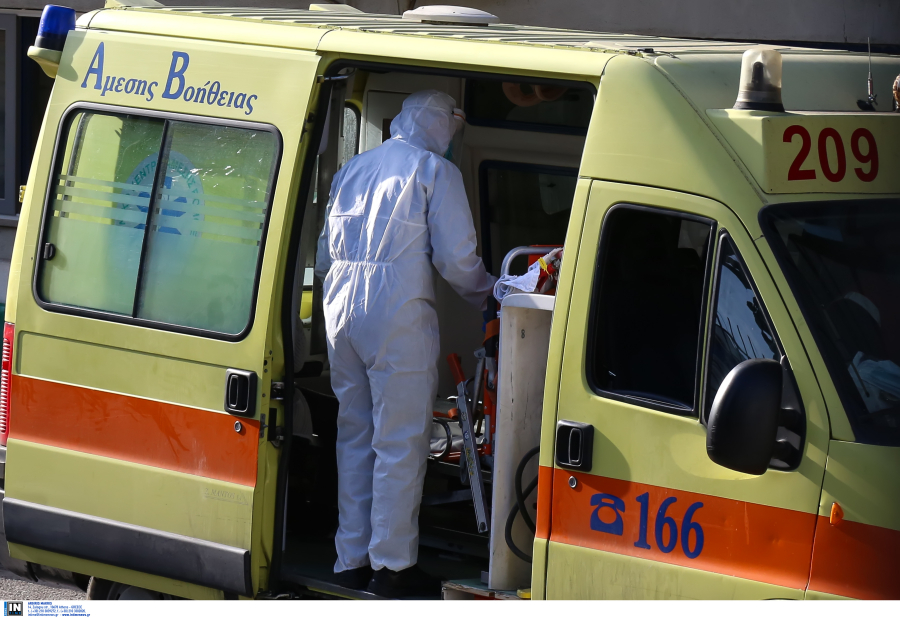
(355, 579)
(410, 582)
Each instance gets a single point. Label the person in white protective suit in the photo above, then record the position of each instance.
(393, 212)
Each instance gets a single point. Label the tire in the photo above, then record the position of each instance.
(105, 590)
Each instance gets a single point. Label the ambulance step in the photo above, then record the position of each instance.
(327, 588)
(461, 589)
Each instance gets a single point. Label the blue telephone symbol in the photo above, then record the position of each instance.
(607, 501)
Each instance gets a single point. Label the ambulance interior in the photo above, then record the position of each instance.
(521, 150)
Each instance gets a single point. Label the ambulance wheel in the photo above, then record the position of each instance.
(105, 590)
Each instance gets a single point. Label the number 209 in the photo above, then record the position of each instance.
(870, 158)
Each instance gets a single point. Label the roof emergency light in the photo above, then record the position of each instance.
(760, 80)
(56, 22)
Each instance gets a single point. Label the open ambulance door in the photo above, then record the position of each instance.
(146, 332)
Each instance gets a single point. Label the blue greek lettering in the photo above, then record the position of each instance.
(176, 72)
(108, 84)
(95, 68)
(213, 93)
(201, 94)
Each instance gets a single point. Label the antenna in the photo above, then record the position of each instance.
(869, 104)
(872, 95)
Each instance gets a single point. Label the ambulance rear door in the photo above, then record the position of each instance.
(145, 333)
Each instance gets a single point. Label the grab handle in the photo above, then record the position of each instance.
(514, 253)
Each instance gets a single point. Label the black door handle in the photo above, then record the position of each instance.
(240, 392)
(574, 445)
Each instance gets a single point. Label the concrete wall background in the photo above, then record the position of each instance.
(822, 21)
(828, 21)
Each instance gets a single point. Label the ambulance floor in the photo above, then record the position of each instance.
(309, 563)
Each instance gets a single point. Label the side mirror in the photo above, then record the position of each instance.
(743, 421)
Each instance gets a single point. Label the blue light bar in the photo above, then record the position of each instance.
(56, 21)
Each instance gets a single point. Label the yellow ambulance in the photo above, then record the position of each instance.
(714, 387)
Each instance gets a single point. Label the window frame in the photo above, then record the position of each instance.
(535, 127)
(483, 196)
(593, 312)
(721, 236)
(62, 134)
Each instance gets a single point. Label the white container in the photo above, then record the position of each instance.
(524, 345)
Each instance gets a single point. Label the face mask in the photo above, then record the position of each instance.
(454, 150)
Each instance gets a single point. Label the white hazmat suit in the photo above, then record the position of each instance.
(393, 212)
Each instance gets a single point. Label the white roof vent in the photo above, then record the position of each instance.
(442, 14)
(334, 8)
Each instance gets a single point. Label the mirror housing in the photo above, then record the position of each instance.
(743, 421)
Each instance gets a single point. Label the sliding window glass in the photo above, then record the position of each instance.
(648, 307)
(158, 221)
(97, 212)
(207, 226)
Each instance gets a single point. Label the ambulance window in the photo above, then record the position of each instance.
(206, 227)
(739, 328)
(157, 221)
(97, 210)
(842, 261)
(523, 205)
(649, 297)
(528, 107)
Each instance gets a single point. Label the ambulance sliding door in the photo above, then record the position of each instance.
(669, 295)
(145, 352)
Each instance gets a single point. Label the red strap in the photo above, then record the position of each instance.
(456, 367)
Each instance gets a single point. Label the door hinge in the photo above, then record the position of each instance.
(277, 391)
